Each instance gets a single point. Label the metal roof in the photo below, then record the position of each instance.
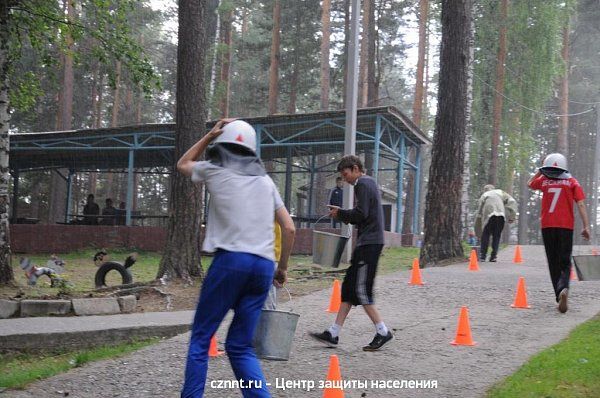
(151, 145)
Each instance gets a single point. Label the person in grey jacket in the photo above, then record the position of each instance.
(494, 208)
(357, 287)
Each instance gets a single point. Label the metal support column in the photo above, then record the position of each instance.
(376, 153)
(258, 129)
(351, 105)
(310, 186)
(288, 179)
(15, 198)
(129, 187)
(69, 194)
(399, 191)
(417, 193)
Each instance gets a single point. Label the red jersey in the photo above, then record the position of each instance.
(557, 201)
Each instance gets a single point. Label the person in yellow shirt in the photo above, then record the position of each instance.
(271, 301)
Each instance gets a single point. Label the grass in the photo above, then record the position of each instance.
(19, 370)
(80, 270)
(569, 369)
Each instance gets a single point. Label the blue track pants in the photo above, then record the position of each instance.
(238, 281)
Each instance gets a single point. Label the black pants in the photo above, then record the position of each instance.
(559, 246)
(494, 228)
(357, 287)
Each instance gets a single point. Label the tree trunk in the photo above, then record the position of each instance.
(418, 101)
(296, 68)
(325, 26)
(224, 80)
(442, 242)
(58, 187)
(6, 272)
(114, 121)
(562, 141)
(372, 67)
(524, 195)
(274, 68)
(417, 109)
(499, 93)
(181, 256)
(363, 69)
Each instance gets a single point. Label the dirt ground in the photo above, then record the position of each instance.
(174, 295)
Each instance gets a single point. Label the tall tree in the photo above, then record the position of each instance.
(562, 142)
(275, 55)
(407, 222)
(363, 68)
(419, 84)
(226, 39)
(442, 240)
(6, 272)
(181, 256)
(33, 25)
(64, 120)
(499, 92)
(325, 27)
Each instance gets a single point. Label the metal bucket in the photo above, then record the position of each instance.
(587, 267)
(274, 334)
(328, 248)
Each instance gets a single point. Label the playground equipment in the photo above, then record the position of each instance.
(33, 273)
(104, 267)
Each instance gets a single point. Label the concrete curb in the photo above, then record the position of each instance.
(79, 306)
(56, 334)
(57, 342)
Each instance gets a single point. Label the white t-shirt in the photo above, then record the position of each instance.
(241, 210)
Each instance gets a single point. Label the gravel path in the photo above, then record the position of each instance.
(424, 319)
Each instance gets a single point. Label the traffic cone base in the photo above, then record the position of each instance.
(336, 297)
(334, 376)
(415, 277)
(463, 332)
(517, 259)
(521, 296)
(213, 351)
(473, 263)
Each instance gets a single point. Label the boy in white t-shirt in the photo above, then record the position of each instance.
(244, 204)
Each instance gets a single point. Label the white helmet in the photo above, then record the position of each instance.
(238, 132)
(555, 161)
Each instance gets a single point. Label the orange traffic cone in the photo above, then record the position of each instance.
(415, 277)
(573, 275)
(521, 296)
(517, 259)
(336, 297)
(213, 351)
(333, 388)
(463, 333)
(473, 263)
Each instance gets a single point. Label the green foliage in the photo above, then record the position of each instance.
(20, 370)
(568, 369)
(41, 26)
(532, 64)
(26, 89)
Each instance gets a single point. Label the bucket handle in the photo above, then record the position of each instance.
(327, 215)
(289, 296)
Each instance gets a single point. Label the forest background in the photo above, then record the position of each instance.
(535, 62)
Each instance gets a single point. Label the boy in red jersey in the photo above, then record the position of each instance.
(560, 190)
